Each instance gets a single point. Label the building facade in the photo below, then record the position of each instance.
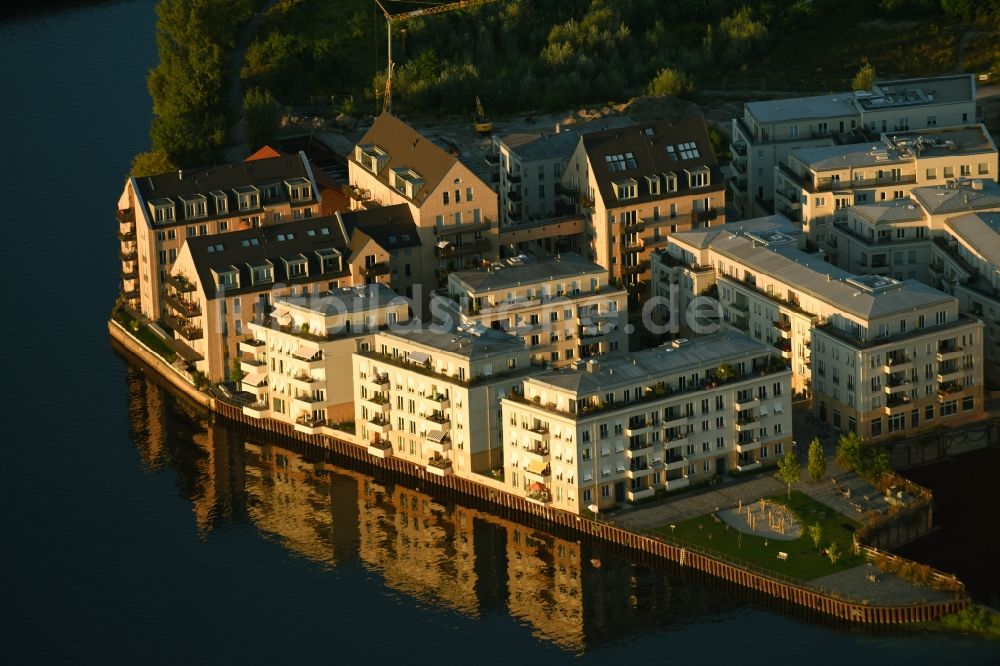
(615, 431)
(564, 309)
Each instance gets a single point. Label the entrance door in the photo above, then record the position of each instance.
(620, 491)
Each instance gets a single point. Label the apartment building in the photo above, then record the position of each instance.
(219, 284)
(454, 210)
(614, 431)
(432, 395)
(295, 353)
(564, 308)
(817, 185)
(639, 184)
(385, 244)
(157, 214)
(839, 329)
(770, 130)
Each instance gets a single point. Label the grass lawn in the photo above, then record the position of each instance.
(804, 560)
(146, 335)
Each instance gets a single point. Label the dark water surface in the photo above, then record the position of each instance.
(137, 531)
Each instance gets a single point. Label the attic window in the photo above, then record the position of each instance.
(649, 131)
(627, 189)
(299, 189)
(406, 181)
(392, 240)
(371, 157)
(620, 162)
(670, 153)
(250, 242)
(688, 150)
(324, 231)
(654, 184)
(406, 238)
(227, 277)
(670, 181)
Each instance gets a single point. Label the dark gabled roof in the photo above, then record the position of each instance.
(273, 243)
(225, 178)
(408, 148)
(391, 227)
(648, 144)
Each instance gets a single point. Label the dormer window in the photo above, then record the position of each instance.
(406, 181)
(227, 277)
(699, 177)
(330, 260)
(247, 197)
(296, 266)
(627, 189)
(670, 181)
(162, 210)
(371, 157)
(269, 192)
(261, 272)
(220, 201)
(299, 190)
(653, 182)
(195, 206)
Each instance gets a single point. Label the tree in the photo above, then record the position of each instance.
(817, 463)
(816, 533)
(833, 552)
(669, 81)
(151, 163)
(789, 470)
(260, 111)
(236, 372)
(849, 451)
(865, 78)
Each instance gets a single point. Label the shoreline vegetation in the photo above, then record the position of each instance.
(546, 55)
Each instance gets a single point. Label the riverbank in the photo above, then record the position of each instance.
(685, 556)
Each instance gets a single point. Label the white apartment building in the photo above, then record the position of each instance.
(432, 396)
(770, 130)
(564, 308)
(817, 185)
(838, 329)
(295, 358)
(614, 431)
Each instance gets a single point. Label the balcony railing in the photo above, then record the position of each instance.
(180, 283)
(477, 246)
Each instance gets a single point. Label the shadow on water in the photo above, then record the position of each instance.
(573, 593)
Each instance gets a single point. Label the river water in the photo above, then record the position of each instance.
(136, 530)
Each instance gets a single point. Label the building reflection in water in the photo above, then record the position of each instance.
(437, 552)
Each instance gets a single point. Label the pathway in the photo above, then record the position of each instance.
(238, 149)
(888, 590)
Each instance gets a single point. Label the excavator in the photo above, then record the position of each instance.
(481, 124)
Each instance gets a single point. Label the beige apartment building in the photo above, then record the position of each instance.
(454, 210)
(818, 185)
(219, 284)
(432, 396)
(564, 308)
(385, 244)
(769, 131)
(296, 353)
(157, 214)
(639, 184)
(614, 431)
(839, 329)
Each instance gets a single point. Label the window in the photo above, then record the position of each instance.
(949, 408)
(968, 403)
(965, 169)
(931, 173)
(984, 168)
(444, 197)
(620, 162)
(688, 151)
(588, 496)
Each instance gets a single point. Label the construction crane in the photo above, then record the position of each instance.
(406, 16)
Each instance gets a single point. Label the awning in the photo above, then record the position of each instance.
(537, 486)
(256, 377)
(536, 467)
(443, 244)
(307, 350)
(778, 408)
(418, 356)
(280, 313)
(436, 435)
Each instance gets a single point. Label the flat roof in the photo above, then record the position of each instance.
(465, 340)
(981, 231)
(809, 274)
(531, 146)
(702, 238)
(967, 195)
(703, 352)
(525, 272)
(895, 210)
(927, 90)
(801, 108)
(344, 300)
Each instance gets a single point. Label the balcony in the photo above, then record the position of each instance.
(180, 283)
(641, 448)
(675, 463)
(181, 306)
(437, 441)
(748, 466)
(945, 375)
(309, 425)
(635, 471)
(439, 466)
(437, 421)
(357, 193)
(183, 328)
(130, 273)
(379, 425)
(699, 217)
(375, 270)
(251, 365)
(640, 267)
(128, 255)
(747, 447)
(308, 403)
(636, 495)
(440, 402)
(949, 389)
(747, 402)
(379, 382)
(513, 178)
(127, 236)
(639, 428)
(477, 246)
(257, 410)
(677, 482)
(948, 353)
(895, 364)
(747, 424)
(541, 434)
(676, 421)
(380, 448)
(538, 470)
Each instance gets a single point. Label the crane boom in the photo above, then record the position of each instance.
(405, 16)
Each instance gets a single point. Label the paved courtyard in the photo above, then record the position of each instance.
(889, 589)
